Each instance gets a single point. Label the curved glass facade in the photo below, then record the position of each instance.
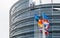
(22, 19)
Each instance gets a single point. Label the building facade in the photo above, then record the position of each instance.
(22, 19)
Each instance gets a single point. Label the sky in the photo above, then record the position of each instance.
(5, 6)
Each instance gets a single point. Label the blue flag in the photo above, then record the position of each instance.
(36, 17)
(45, 16)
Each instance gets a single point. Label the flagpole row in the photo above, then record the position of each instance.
(44, 36)
(43, 30)
(39, 15)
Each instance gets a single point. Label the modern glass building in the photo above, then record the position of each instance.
(22, 19)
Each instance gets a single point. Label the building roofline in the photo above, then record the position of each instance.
(14, 5)
(41, 4)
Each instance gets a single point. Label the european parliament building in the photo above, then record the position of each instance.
(22, 19)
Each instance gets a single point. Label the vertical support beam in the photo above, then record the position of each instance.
(44, 36)
(52, 11)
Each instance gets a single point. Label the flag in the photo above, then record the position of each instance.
(44, 16)
(46, 32)
(43, 22)
(36, 17)
(40, 23)
(46, 24)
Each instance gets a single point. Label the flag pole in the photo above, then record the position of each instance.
(43, 30)
(40, 35)
(52, 7)
(52, 10)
